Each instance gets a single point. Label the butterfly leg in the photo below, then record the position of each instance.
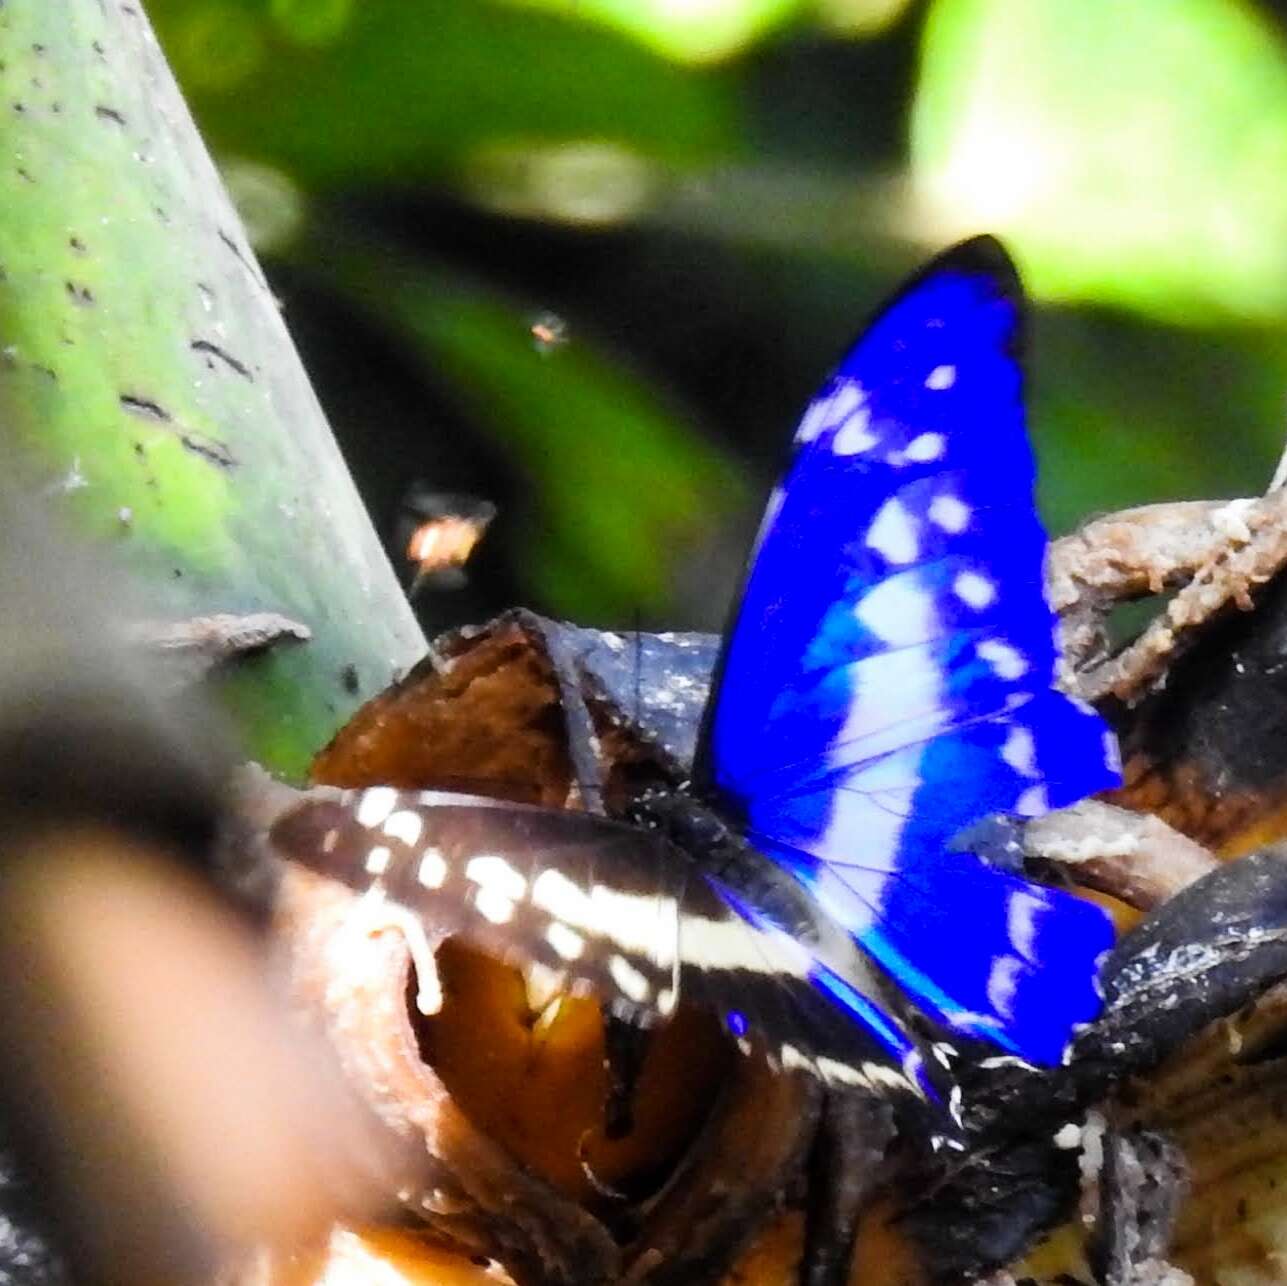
(854, 1132)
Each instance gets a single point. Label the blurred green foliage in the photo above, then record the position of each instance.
(1136, 152)
(711, 195)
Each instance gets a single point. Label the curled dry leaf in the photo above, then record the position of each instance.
(1216, 555)
(1220, 1103)
(1134, 857)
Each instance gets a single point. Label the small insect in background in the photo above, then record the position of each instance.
(438, 531)
(549, 331)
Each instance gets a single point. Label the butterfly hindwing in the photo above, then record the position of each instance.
(888, 678)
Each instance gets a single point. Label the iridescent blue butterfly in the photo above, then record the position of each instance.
(887, 682)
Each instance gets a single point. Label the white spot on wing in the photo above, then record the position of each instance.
(854, 815)
(944, 1053)
(892, 533)
(792, 1059)
(1003, 982)
(494, 906)
(1007, 661)
(632, 920)
(377, 860)
(899, 611)
(330, 839)
(495, 873)
(555, 893)
(814, 421)
(1033, 802)
(732, 944)
(633, 984)
(1112, 751)
(895, 698)
(974, 590)
(926, 447)
(375, 805)
(914, 1069)
(1021, 912)
(848, 397)
(1020, 751)
(628, 919)
(941, 377)
(432, 870)
(949, 513)
(567, 942)
(837, 1073)
(404, 825)
(855, 435)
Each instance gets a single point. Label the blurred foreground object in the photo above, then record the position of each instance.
(150, 1081)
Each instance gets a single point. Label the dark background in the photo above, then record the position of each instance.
(710, 196)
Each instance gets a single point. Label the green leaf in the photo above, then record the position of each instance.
(1125, 412)
(696, 32)
(622, 491)
(1131, 152)
(394, 91)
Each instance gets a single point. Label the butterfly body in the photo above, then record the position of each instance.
(887, 683)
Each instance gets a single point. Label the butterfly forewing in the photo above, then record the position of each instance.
(587, 898)
(610, 908)
(888, 679)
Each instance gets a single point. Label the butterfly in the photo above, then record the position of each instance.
(887, 681)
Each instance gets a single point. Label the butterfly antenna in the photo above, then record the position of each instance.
(637, 714)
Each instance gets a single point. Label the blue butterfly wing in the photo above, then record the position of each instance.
(888, 679)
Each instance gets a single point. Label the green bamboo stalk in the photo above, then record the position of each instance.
(149, 391)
